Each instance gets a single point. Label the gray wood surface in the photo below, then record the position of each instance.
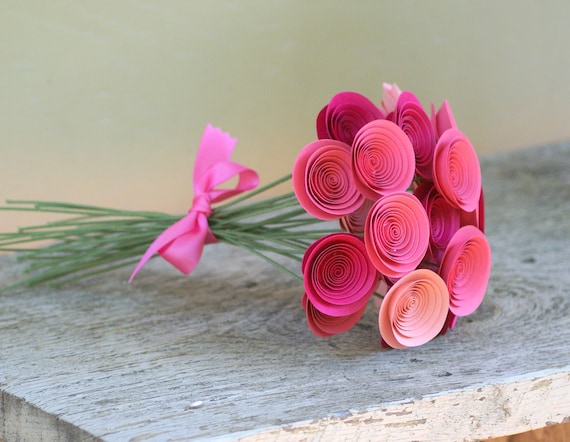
(226, 354)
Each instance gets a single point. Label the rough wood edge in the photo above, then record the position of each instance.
(23, 421)
(482, 412)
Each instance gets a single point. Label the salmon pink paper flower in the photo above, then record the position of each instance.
(442, 119)
(338, 275)
(382, 159)
(456, 170)
(414, 310)
(466, 267)
(396, 234)
(322, 180)
(345, 114)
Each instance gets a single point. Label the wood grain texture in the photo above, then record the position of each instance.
(225, 353)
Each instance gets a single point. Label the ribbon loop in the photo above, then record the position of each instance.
(182, 243)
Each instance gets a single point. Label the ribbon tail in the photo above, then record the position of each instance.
(164, 239)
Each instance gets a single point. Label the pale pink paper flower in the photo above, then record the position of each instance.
(456, 170)
(322, 180)
(396, 234)
(411, 117)
(338, 275)
(390, 94)
(466, 267)
(345, 114)
(442, 119)
(414, 310)
(323, 325)
(382, 159)
(355, 221)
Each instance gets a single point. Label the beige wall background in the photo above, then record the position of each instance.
(104, 102)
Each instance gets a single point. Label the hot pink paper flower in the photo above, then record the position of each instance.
(382, 159)
(444, 221)
(355, 221)
(390, 94)
(442, 119)
(322, 180)
(396, 234)
(413, 120)
(324, 325)
(456, 170)
(466, 267)
(338, 275)
(449, 324)
(414, 310)
(345, 114)
(477, 217)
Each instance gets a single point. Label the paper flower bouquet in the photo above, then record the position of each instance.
(387, 203)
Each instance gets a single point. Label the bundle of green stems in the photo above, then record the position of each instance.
(91, 240)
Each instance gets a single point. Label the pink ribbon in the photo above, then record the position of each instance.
(182, 243)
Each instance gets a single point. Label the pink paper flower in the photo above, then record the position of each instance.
(444, 221)
(338, 275)
(322, 180)
(382, 159)
(355, 221)
(345, 114)
(449, 324)
(477, 217)
(414, 310)
(456, 170)
(390, 94)
(324, 325)
(396, 234)
(442, 119)
(466, 267)
(413, 120)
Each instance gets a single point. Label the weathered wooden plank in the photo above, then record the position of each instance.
(226, 353)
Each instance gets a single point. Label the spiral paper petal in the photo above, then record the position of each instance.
(338, 275)
(382, 159)
(324, 325)
(345, 114)
(456, 170)
(413, 120)
(466, 267)
(396, 234)
(414, 310)
(322, 180)
(355, 221)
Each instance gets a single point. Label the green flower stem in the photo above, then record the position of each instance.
(92, 240)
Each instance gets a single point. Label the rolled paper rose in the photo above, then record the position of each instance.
(414, 310)
(322, 180)
(383, 159)
(345, 114)
(390, 94)
(324, 325)
(466, 267)
(449, 324)
(355, 221)
(477, 217)
(444, 221)
(413, 120)
(338, 275)
(442, 119)
(456, 170)
(396, 234)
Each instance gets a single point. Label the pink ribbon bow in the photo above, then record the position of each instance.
(182, 243)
